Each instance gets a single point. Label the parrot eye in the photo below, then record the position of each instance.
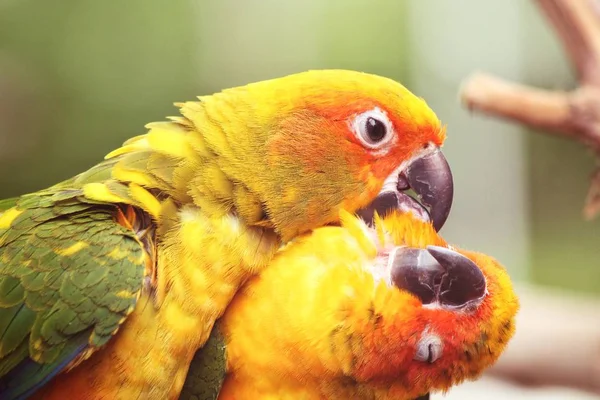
(373, 128)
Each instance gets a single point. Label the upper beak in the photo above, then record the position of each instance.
(430, 178)
(438, 275)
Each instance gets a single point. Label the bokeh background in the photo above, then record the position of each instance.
(78, 77)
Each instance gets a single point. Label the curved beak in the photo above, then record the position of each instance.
(430, 179)
(438, 275)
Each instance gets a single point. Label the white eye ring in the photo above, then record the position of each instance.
(373, 128)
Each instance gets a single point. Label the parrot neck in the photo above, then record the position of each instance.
(210, 257)
(212, 156)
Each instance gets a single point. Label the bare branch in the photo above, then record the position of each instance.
(592, 200)
(535, 107)
(578, 27)
(575, 114)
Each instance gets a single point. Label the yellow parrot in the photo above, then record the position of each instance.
(389, 311)
(122, 270)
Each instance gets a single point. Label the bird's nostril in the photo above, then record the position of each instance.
(402, 182)
(437, 275)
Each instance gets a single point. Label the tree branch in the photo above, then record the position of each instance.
(575, 114)
(535, 107)
(579, 31)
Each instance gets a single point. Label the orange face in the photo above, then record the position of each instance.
(379, 127)
(457, 321)
(342, 137)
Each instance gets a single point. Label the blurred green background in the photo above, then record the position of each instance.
(78, 77)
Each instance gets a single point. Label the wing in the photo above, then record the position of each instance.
(207, 370)
(71, 270)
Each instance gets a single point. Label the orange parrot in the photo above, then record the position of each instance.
(387, 311)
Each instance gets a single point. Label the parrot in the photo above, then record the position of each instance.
(387, 310)
(121, 271)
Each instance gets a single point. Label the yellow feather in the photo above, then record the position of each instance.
(145, 200)
(248, 205)
(191, 105)
(359, 230)
(134, 139)
(169, 141)
(7, 217)
(199, 145)
(139, 143)
(165, 126)
(168, 216)
(122, 173)
(125, 294)
(214, 180)
(100, 192)
(69, 251)
(182, 121)
(213, 128)
(210, 205)
(118, 254)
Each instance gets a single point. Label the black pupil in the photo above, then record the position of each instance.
(375, 129)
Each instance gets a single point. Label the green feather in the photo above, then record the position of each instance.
(8, 203)
(207, 370)
(14, 358)
(60, 285)
(11, 293)
(15, 322)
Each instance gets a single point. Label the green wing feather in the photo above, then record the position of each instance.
(67, 269)
(8, 203)
(207, 370)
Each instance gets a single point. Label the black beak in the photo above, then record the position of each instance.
(438, 275)
(431, 180)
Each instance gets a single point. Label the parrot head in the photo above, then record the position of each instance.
(306, 145)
